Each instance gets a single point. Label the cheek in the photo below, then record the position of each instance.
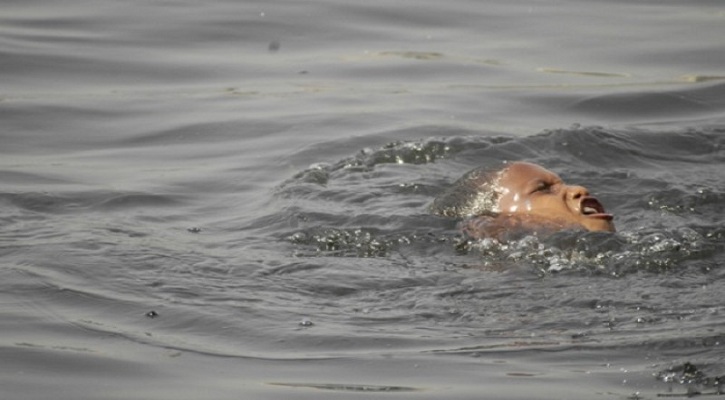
(599, 225)
(528, 207)
(540, 203)
(522, 206)
(516, 202)
(511, 203)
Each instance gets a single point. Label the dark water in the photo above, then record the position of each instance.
(227, 199)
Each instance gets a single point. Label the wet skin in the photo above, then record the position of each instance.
(530, 191)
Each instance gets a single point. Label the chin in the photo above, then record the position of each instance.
(598, 225)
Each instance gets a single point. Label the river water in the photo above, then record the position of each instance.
(227, 199)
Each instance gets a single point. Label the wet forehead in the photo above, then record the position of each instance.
(521, 173)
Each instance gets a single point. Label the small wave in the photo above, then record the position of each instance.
(696, 380)
(373, 214)
(656, 251)
(694, 100)
(399, 152)
(348, 387)
(45, 202)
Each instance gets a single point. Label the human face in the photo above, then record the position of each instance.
(529, 189)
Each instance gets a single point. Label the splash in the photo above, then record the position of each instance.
(366, 201)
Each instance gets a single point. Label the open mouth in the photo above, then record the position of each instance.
(591, 207)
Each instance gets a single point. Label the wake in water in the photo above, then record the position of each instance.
(647, 288)
(663, 187)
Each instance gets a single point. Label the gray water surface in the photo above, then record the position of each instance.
(227, 199)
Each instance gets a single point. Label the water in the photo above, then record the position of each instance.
(227, 199)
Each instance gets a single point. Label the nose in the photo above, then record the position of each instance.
(574, 192)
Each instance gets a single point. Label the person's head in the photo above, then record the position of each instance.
(526, 191)
(529, 189)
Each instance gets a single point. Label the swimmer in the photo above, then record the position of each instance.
(520, 197)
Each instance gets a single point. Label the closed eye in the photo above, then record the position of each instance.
(542, 186)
